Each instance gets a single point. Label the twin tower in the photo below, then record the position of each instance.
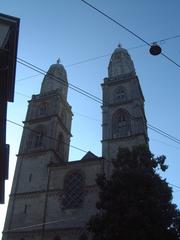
(51, 197)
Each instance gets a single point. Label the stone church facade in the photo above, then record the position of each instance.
(51, 197)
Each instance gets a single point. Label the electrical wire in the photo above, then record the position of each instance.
(155, 129)
(101, 56)
(88, 117)
(38, 225)
(47, 136)
(55, 221)
(28, 77)
(174, 185)
(95, 99)
(169, 38)
(109, 54)
(167, 135)
(127, 29)
(98, 57)
(22, 94)
(51, 222)
(118, 23)
(71, 86)
(89, 95)
(159, 141)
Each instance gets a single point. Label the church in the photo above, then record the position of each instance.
(52, 197)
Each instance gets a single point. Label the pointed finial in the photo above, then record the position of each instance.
(58, 60)
(119, 45)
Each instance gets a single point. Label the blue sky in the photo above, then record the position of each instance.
(72, 31)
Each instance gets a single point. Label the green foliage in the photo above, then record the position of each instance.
(135, 202)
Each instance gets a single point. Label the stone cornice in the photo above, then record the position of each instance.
(91, 161)
(38, 231)
(119, 104)
(116, 104)
(38, 151)
(126, 137)
(110, 82)
(50, 192)
(53, 93)
(47, 118)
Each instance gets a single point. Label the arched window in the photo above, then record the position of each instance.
(36, 138)
(120, 95)
(61, 145)
(63, 116)
(121, 123)
(25, 208)
(73, 191)
(137, 111)
(30, 177)
(42, 109)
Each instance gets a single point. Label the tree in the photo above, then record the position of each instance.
(135, 203)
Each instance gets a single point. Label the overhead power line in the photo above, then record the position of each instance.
(22, 94)
(116, 22)
(127, 29)
(28, 77)
(174, 185)
(169, 38)
(163, 133)
(47, 136)
(155, 129)
(102, 56)
(109, 54)
(89, 95)
(71, 86)
(164, 143)
(38, 225)
(55, 221)
(151, 127)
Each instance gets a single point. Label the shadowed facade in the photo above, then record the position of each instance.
(51, 197)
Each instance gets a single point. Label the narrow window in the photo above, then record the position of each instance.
(38, 140)
(42, 109)
(25, 208)
(121, 123)
(63, 116)
(61, 145)
(30, 177)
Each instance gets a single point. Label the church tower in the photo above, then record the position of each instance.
(45, 140)
(51, 197)
(124, 121)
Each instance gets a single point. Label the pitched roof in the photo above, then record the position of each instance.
(89, 155)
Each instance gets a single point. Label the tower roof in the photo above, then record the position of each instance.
(55, 78)
(57, 70)
(120, 49)
(120, 63)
